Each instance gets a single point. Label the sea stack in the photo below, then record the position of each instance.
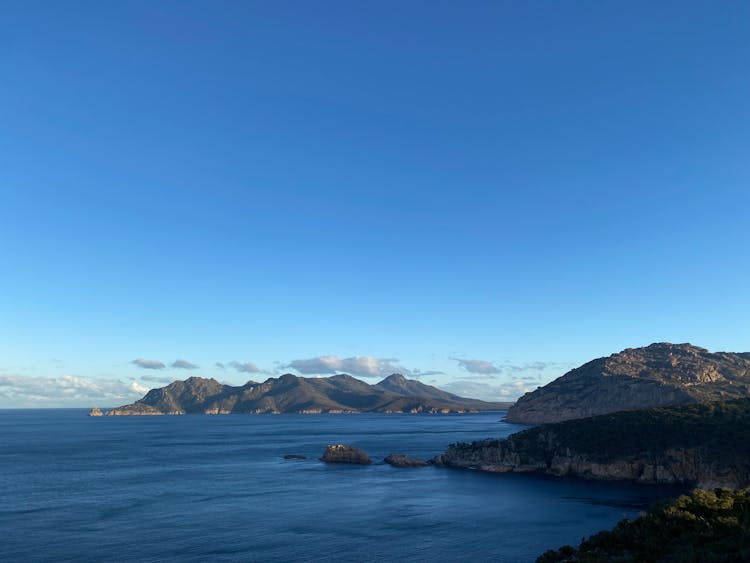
(96, 411)
(402, 460)
(341, 453)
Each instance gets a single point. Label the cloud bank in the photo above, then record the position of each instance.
(360, 366)
(67, 390)
(489, 391)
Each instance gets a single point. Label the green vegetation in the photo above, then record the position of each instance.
(702, 527)
(715, 429)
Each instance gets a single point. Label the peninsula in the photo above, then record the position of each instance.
(703, 445)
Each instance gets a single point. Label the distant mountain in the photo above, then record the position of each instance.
(398, 384)
(657, 375)
(292, 394)
(703, 445)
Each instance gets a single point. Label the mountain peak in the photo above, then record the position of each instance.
(660, 374)
(395, 378)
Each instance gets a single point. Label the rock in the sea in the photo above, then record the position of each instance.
(294, 456)
(401, 460)
(96, 411)
(341, 453)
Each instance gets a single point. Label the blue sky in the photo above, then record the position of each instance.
(480, 194)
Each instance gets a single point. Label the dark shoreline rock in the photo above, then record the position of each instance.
(294, 456)
(402, 460)
(341, 453)
(702, 445)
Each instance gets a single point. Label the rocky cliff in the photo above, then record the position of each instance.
(700, 444)
(292, 394)
(657, 375)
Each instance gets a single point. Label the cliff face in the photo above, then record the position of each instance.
(292, 394)
(661, 374)
(703, 445)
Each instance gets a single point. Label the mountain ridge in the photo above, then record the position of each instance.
(661, 374)
(289, 393)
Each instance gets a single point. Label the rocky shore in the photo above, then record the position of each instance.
(695, 445)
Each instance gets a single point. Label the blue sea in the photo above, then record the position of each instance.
(216, 488)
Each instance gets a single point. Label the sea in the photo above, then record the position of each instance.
(217, 488)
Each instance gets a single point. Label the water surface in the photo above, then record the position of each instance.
(216, 488)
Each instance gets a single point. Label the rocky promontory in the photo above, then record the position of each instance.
(699, 445)
(341, 453)
(661, 374)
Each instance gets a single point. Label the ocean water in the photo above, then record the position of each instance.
(216, 488)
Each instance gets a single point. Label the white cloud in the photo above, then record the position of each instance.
(136, 387)
(362, 366)
(67, 390)
(488, 391)
(183, 364)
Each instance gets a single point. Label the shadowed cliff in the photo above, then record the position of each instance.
(699, 444)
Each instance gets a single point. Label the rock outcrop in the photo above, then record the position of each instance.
(291, 394)
(700, 445)
(341, 453)
(294, 456)
(401, 460)
(661, 374)
(96, 411)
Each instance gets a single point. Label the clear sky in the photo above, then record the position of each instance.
(479, 194)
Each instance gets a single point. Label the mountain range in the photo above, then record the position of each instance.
(292, 394)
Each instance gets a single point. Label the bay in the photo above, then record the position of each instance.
(216, 488)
